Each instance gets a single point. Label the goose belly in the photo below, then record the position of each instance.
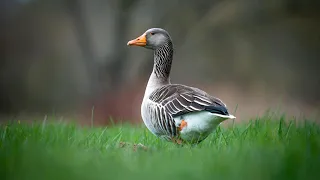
(150, 116)
(198, 125)
(147, 119)
(158, 121)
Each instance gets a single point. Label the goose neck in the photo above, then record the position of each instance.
(162, 66)
(163, 60)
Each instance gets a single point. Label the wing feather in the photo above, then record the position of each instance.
(178, 99)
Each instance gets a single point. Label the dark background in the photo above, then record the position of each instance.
(64, 57)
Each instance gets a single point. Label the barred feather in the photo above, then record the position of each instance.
(179, 99)
(164, 101)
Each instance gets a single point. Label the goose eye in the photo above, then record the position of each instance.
(152, 33)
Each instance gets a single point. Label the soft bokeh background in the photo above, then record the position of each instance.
(65, 57)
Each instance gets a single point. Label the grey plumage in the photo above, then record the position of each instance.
(180, 99)
(163, 60)
(163, 102)
(174, 100)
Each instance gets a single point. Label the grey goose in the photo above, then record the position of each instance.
(175, 112)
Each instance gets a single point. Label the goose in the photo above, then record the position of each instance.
(175, 112)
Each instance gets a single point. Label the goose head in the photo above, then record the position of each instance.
(152, 39)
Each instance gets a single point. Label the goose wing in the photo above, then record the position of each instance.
(179, 99)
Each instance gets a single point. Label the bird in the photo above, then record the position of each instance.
(175, 112)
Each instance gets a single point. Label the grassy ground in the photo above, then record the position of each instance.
(265, 148)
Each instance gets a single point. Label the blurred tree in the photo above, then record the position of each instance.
(60, 54)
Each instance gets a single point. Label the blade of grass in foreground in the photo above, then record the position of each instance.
(264, 148)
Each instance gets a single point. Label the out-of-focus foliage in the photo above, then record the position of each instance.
(65, 53)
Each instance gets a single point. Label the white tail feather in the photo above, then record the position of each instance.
(230, 116)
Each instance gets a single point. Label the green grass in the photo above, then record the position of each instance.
(265, 148)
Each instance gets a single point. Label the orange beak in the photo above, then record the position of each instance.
(139, 41)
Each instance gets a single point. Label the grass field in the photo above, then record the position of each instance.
(265, 148)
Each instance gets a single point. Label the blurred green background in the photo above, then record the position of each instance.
(65, 57)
